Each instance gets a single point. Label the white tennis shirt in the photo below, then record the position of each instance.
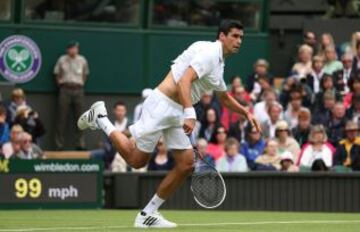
(206, 58)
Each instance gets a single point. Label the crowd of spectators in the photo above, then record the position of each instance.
(310, 119)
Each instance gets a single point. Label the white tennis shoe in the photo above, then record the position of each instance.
(89, 117)
(154, 220)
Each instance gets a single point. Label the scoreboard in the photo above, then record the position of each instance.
(51, 183)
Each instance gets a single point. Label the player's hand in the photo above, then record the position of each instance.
(189, 124)
(254, 122)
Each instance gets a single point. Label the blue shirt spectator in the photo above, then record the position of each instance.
(253, 147)
(4, 127)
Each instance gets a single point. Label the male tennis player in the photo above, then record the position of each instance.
(169, 112)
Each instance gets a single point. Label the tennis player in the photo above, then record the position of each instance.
(169, 112)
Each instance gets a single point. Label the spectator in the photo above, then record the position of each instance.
(331, 62)
(355, 39)
(216, 147)
(202, 149)
(260, 108)
(253, 146)
(235, 83)
(138, 108)
(335, 126)
(275, 114)
(353, 113)
(292, 85)
(303, 67)
(232, 161)
(30, 122)
(348, 149)
(287, 162)
(4, 127)
(71, 71)
(285, 141)
(107, 153)
(356, 60)
(327, 40)
(161, 159)
(209, 124)
(17, 99)
(293, 110)
(237, 129)
(354, 86)
(314, 78)
(316, 149)
(310, 40)
(302, 130)
(28, 150)
(270, 160)
(13, 146)
(341, 77)
(261, 68)
(261, 86)
(207, 101)
(327, 85)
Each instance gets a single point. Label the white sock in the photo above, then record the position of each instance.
(153, 204)
(106, 125)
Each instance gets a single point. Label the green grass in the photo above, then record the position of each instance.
(122, 220)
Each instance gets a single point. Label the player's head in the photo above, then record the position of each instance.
(230, 34)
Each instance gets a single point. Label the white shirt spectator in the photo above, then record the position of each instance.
(310, 155)
(206, 58)
(260, 112)
(232, 164)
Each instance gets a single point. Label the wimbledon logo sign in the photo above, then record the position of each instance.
(20, 59)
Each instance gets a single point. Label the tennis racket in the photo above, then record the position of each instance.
(207, 184)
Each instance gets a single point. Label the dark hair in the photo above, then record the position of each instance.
(352, 80)
(119, 103)
(213, 138)
(2, 110)
(324, 78)
(227, 24)
(234, 77)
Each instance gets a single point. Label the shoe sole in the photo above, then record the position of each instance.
(80, 124)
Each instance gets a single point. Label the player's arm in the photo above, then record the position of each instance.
(230, 103)
(184, 93)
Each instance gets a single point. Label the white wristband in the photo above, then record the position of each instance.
(189, 113)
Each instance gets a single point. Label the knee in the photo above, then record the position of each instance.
(138, 162)
(185, 168)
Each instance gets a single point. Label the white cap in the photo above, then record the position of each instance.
(146, 92)
(286, 155)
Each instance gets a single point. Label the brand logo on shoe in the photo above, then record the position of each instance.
(20, 59)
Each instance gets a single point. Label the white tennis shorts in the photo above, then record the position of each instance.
(160, 116)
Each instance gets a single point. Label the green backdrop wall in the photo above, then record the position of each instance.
(125, 60)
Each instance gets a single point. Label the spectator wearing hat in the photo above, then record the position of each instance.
(302, 130)
(341, 77)
(253, 146)
(18, 99)
(275, 114)
(287, 163)
(285, 140)
(71, 72)
(316, 149)
(232, 161)
(314, 78)
(304, 65)
(348, 149)
(353, 113)
(261, 68)
(335, 126)
(138, 108)
(270, 159)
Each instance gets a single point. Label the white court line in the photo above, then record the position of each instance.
(190, 224)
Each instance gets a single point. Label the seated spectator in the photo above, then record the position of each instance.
(207, 101)
(253, 146)
(348, 149)
(314, 78)
(322, 113)
(292, 85)
(285, 141)
(232, 161)
(216, 147)
(335, 126)
(106, 152)
(316, 149)
(302, 130)
(275, 114)
(29, 150)
(326, 85)
(354, 86)
(353, 113)
(326, 40)
(261, 68)
(310, 40)
(11, 147)
(235, 82)
(4, 127)
(17, 99)
(161, 159)
(209, 124)
(201, 146)
(287, 162)
(260, 108)
(30, 122)
(270, 160)
(261, 86)
(342, 77)
(138, 108)
(331, 62)
(237, 129)
(303, 67)
(293, 109)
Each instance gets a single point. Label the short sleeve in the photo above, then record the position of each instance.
(203, 63)
(86, 67)
(57, 67)
(222, 86)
